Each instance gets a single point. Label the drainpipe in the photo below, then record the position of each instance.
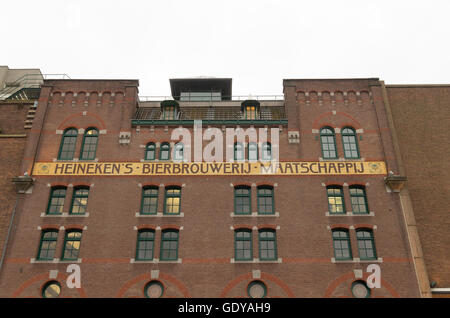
(8, 234)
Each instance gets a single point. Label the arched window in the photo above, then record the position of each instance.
(341, 244)
(149, 204)
(89, 147)
(366, 244)
(150, 151)
(350, 143)
(252, 151)
(328, 143)
(47, 245)
(169, 245)
(265, 200)
(164, 151)
(358, 199)
(178, 151)
(266, 151)
(79, 200)
(145, 245)
(68, 144)
(56, 201)
(243, 250)
(172, 200)
(335, 199)
(238, 151)
(72, 243)
(242, 200)
(267, 244)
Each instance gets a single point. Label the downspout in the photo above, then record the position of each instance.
(8, 234)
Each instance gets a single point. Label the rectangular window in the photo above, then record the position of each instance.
(169, 113)
(242, 200)
(145, 243)
(56, 201)
(267, 245)
(251, 112)
(47, 245)
(265, 200)
(366, 245)
(79, 201)
(341, 244)
(172, 201)
(149, 204)
(243, 245)
(335, 200)
(169, 245)
(72, 243)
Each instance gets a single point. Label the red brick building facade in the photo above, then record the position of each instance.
(284, 235)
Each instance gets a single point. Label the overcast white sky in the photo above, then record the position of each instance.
(257, 43)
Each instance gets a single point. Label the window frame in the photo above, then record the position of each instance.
(167, 196)
(257, 282)
(245, 239)
(139, 240)
(253, 110)
(151, 195)
(249, 189)
(86, 137)
(259, 195)
(163, 148)
(254, 151)
(76, 196)
(265, 239)
(169, 112)
(177, 149)
(347, 239)
(47, 285)
(332, 134)
(52, 196)
(65, 136)
(150, 147)
(354, 135)
(51, 239)
(264, 151)
(76, 239)
(364, 239)
(169, 240)
(235, 151)
(341, 195)
(364, 196)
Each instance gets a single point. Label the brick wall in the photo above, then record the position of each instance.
(421, 116)
(206, 244)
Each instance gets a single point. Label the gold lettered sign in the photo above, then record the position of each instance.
(305, 168)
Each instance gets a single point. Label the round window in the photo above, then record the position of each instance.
(257, 289)
(154, 289)
(360, 289)
(51, 290)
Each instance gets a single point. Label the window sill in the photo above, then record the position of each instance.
(356, 260)
(350, 214)
(55, 261)
(65, 215)
(255, 214)
(257, 261)
(157, 215)
(342, 159)
(155, 261)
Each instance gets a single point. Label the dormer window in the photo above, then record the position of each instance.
(169, 113)
(250, 109)
(169, 110)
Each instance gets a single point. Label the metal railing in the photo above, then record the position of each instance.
(213, 98)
